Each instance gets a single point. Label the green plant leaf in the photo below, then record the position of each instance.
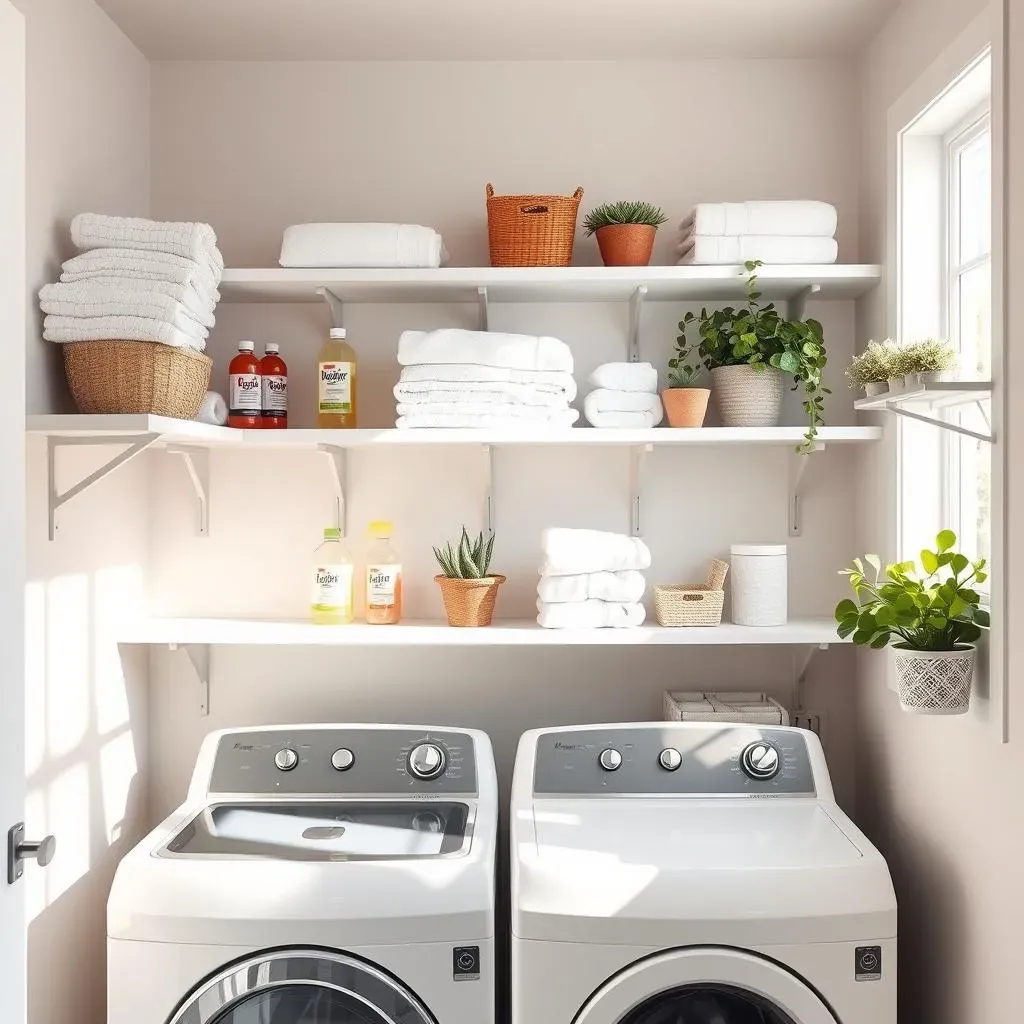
(959, 563)
(945, 540)
(982, 618)
(874, 561)
(845, 609)
(879, 640)
(930, 561)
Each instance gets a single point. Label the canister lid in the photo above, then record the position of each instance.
(756, 550)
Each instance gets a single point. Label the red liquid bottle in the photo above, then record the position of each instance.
(245, 391)
(275, 388)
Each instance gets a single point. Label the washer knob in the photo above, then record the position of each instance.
(760, 760)
(342, 759)
(610, 760)
(426, 761)
(670, 759)
(286, 759)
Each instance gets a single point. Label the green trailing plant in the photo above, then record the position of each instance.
(936, 609)
(466, 559)
(684, 368)
(872, 366)
(760, 337)
(610, 214)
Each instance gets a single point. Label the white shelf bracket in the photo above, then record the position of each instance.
(798, 464)
(934, 421)
(199, 656)
(797, 306)
(197, 465)
(337, 463)
(637, 457)
(136, 444)
(488, 510)
(636, 306)
(337, 307)
(481, 295)
(801, 674)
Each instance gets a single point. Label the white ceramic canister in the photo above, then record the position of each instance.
(759, 577)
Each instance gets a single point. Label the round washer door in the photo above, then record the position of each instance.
(302, 987)
(705, 986)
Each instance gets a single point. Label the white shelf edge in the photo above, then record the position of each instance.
(938, 394)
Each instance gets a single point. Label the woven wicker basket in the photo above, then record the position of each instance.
(532, 231)
(934, 682)
(693, 604)
(469, 602)
(747, 397)
(136, 377)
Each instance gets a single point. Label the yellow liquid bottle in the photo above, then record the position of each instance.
(336, 383)
(331, 603)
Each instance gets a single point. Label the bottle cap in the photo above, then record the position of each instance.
(338, 334)
(379, 528)
(246, 346)
(332, 533)
(272, 348)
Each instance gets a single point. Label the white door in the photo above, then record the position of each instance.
(12, 496)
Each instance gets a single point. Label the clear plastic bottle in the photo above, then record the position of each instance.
(336, 383)
(332, 581)
(383, 578)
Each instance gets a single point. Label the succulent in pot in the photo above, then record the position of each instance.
(625, 232)
(871, 369)
(685, 405)
(468, 588)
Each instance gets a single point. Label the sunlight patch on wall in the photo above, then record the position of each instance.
(68, 659)
(117, 598)
(118, 769)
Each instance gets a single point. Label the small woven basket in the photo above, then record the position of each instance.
(693, 604)
(532, 231)
(469, 602)
(934, 682)
(136, 377)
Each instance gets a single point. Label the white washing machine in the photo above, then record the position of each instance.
(323, 874)
(692, 873)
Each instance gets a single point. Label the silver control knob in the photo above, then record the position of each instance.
(427, 821)
(286, 759)
(760, 760)
(670, 759)
(426, 761)
(610, 760)
(342, 759)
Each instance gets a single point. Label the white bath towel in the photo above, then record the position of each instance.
(704, 250)
(65, 329)
(590, 615)
(92, 300)
(767, 217)
(213, 409)
(569, 552)
(361, 245)
(624, 420)
(626, 377)
(554, 382)
(622, 587)
(194, 241)
(425, 392)
(144, 266)
(491, 420)
(602, 407)
(525, 413)
(127, 288)
(510, 351)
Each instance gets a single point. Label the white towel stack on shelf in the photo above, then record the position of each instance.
(591, 580)
(136, 280)
(362, 245)
(791, 232)
(453, 378)
(625, 395)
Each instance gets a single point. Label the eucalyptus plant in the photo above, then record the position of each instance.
(466, 559)
(611, 214)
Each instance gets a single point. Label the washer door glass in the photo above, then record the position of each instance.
(300, 1004)
(707, 1005)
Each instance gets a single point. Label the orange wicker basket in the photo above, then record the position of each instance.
(532, 231)
(469, 602)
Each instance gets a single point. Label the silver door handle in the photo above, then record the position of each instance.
(19, 850)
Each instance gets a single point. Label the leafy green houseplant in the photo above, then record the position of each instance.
(932, 618)
(625, 232)
(468, 589)
(750, 350)
(685, 404)
(871, 369)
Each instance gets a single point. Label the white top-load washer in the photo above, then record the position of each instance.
(692, 873)
(321, 874)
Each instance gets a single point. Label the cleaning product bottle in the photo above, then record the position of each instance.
(336, 382)
(383, 578)
(275, 388)
(332, 581)
(245, 393)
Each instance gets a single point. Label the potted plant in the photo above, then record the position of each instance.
(932, 619)
(928, 361)
(870, 371)
(685, 405)
(625, 232)
(467, 587)
(751, 350)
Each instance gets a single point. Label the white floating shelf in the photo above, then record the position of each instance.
(924, 402)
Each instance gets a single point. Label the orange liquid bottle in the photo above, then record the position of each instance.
(275, 388)
(245, 390)
(383, 579)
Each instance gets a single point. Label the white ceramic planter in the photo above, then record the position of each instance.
(933, 376)
(875, 388)
(934, 682)
(747, 397)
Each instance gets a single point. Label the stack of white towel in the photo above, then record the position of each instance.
(625, 395)
(591, 580)
(135, 280)
(453, 378)
(362, 245)
(774, 232)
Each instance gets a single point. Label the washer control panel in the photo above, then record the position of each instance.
(731, 760)
(348, 761)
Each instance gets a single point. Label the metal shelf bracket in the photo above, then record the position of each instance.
(136, 444)
(199, 656)
(197, 465)
(481, 294)
(934, 421)
(801, 672)
(337, 463)
(337, 307)
(637, 458)
(636, 306)
(797, 306)
(798, 464)
(488, 458)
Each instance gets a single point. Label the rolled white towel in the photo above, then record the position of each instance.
(762, 217)
(590, 615)
(713, 251)
(498, 393)
(213, 409)
(621, 587)
(144, 266)
(511, 351)
(195, 241)
(93, 300)
(67, 329)
(624, 420)
(602, 408)
(361, 245)
(554, 382)
(569, 552)
(626, 377)
(518, 425)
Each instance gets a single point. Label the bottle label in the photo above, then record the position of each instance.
(332, 588)
(275, 395)
(336, 387)
(381, 584)
(246, 395)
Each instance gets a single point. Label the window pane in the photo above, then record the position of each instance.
(976, 199)
(975, 326)
(975, 491)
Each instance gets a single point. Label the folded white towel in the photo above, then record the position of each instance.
(127, 288)
(195, 241)
(424, 392)
(621, 587)
(361, 245)
(213, 409)
(524, 413)
(771, 217)
(64, 329)
(88, 300)
(511, 351)
(590, 615)
(626, 377)
(624, 420)
(493, 420)
(779, 249)
(145, 266)
(555, 382)
(569, 552)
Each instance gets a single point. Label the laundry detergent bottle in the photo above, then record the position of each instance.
(245, 389)
(332, 581)
(336, 383)
(383, 578)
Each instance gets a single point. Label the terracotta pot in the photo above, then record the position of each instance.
(686, 407)
(626, 245)
(469, 602)
(747, 397)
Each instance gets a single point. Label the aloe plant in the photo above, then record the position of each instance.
(610, 214)
(466, 559)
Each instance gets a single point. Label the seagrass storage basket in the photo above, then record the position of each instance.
(693, 604)
(532, 231)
